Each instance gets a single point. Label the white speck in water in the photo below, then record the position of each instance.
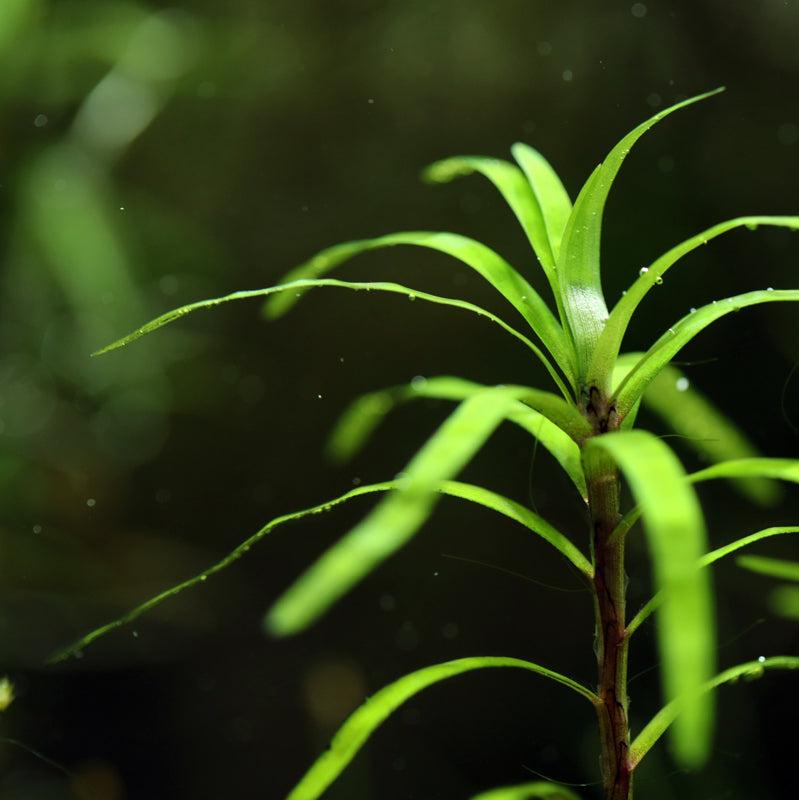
(341, 360)
(135, 634)
(567, 75)
(371, 101)
(91, 502)
(418, 382)
(761, 659)
(638, 10)
(643, 270)
(37, 528)
(682, 384)
(40, 120)
(435, 574)
(319, 396)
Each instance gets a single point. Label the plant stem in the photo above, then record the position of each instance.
(611, 641)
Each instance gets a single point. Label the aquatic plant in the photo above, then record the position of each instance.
(588, 425)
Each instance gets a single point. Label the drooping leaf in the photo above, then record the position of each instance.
(709, 558)
(665, 348)
(609, 343)
(676, 535)
(355, 731)
(360, 419)
(514, 187)
(782, 469)
(464, 491)
(302, 285)
(705, 429)
(672, 712)
(397, 517)
(578, 263)
(539, 790)
(552, 197)
(498, 272)
(773, 567)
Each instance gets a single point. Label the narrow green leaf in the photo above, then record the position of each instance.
(552, 197)
(538, 790)
(354, 733)
(610, 340)
(578, 264)
(706, 561)
(361, 418)
(302, 285)
(397, 517)
(751, 670)
(498, 272)
(773, 567)
(665, 348)
(514, 187)
(676, 534)
(707, 431)
(464, 491)
(781, 469)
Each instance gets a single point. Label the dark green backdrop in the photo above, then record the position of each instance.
(154, 154)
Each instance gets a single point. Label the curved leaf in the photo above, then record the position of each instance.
(676, 534)
(360, 419)
(671, 712)
(397, 517)
(784, 469)
(781, 469)
(773, 567)
(665, 348)
(539, 790)
(706, 561)
(301, 285)
(707, 431)
(578, 264)
(514, 187)
(498, 272)
(552, 197)
(464, 491)
(355, 731)
(607, 347)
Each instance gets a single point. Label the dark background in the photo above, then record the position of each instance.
(155, 154)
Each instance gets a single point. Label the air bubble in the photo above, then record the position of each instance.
(769, 288)
(659, 280)
(643, 270)
(692, 310)
(682, 384)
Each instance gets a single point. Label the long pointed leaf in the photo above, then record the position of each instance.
(397, 517)
(552, 197)
(301, 285)
(579, 264)
(464, 491)
(610, 340)
(538, 790)
(673, 711)
(498, 272)
(709, 558)
(665, 348)
(360, 419)
(514, 187)
(676, 535)
(354, 733)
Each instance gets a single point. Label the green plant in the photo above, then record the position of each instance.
(588, 428)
